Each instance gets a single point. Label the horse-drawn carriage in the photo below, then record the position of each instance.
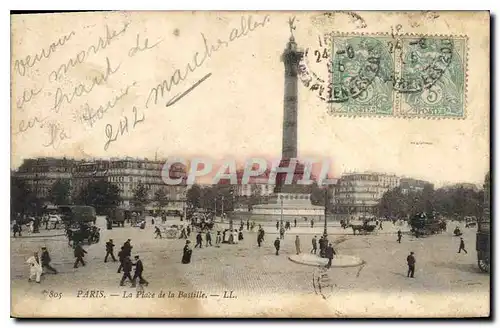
(364, 228)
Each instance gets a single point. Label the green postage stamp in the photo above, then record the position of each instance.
(409, 76)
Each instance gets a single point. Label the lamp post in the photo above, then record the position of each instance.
(325, 232)
(281, 224)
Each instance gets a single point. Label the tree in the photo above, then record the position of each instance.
(394, 204)
(161, 198)
(60, 192)
(22, 198)
(100, 194)
(193, 196)
(140, 195)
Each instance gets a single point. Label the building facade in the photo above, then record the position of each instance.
(358, 194)
(126, 173)
(408, 185)
(40, 174)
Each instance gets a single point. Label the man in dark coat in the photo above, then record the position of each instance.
(314, 245)
(157, 233)
(127, 248)
(186, 253)
(277, 225)
(208, 238)
(329, 252)
(248, 224)
(46, 260)
(295, 223)
(199, 239)
(121, 257)
(109, 251)
(411, 265)
(79, 254)
(322, 246)
(277, 245)
(399, 236)
(139, 268)
(127, 267)
(462, 246)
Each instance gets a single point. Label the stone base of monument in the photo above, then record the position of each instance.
(338, 261)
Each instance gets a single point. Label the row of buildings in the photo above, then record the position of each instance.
(354, 193)
(127, 173)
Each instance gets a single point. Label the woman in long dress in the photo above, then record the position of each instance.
(186, 254)
(35, 267)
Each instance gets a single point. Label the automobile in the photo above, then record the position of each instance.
(55, 218)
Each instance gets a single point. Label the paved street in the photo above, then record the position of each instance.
(449, 281)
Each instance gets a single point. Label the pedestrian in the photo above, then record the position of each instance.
(35, 267)
(295, 223)
(153, 221)
(399, 236)
(411, 265)
(240, 235)
(314, 245)
(46, 260)
(186, 253)
(277, 245)
(462, 246)
(277, 225)
(297, 244)
(139, 269)
(282, 233)
(79, 253)
(218, 239)
(183, 233)
(208, 238)
(329, 252)
(248, 224)
(16, 229)
(199, 240)
(259, 238)
(109, 251)
(188, 230)
(69, 234)
(121, 257)
(157, 233)
(321, 243)
(127, 267)
(127, 248)
(312, 223)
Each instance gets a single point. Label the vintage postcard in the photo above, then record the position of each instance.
(250, 164)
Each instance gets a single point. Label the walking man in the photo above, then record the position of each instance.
(198, 240)
(277, 245)
(312, 223)
(399, 236)
(295, 223)
(139, 268)
(208, 238)
(277, 225)
(282, 233)
(329, 255)
(46, 260)
(109, 251)
(35, 267)
(248, 224)
(127, 267)
(217, 239)
(462, 246)
(79, 254)
(121, 257)
(157, 233)
(297, 244)
(411, 265)
(315, 245)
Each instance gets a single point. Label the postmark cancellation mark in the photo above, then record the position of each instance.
(409, 76)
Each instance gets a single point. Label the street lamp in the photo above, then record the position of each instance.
(325, 232)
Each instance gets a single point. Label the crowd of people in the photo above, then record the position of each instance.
(40, 264)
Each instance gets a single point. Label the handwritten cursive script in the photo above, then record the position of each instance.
(247, 25)
(81, 56)
(21, 65)
(83, 89)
